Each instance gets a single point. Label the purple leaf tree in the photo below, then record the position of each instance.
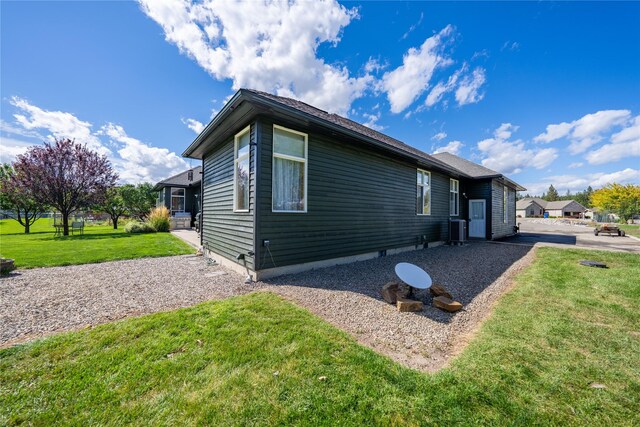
(66, 176)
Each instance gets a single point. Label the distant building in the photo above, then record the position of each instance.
(533, 207)
(181, 193)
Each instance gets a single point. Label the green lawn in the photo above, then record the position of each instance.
(258, 360)
(99, 243)
(631, 229)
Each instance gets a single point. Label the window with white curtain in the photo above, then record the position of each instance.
(241, 170)
(423, 202)
(289, 170)
(454, 199)
(505, 204)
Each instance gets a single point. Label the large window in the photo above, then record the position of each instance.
(177, 200)
(454, 199)
(289, 170)
(241, 161)
(505, 205)
(424, 193)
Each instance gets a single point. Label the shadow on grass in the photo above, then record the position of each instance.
(31, 233)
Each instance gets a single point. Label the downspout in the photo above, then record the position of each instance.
(202, 203)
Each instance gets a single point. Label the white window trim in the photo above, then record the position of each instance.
(184, 199)
(236, 159)
(422, 185)
(457, 193)
(294, 158)
(505, 203)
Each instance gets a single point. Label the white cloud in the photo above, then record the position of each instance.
(194, 125)
(139, 162)
(374, 65)
(586, 131)
(133, 160)
(10, 148)
(623, 144)
(576, 165)
(452, 147)
(509, 157)
(468, 91)
(466, 85)
(440, 89)
(413, 27)
(372, 120)
(269, 46)
(60, 124)
(575, 183)
(439, 136)
(509, 45)
(407, 82)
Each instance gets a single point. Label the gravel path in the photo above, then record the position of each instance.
(38, 302)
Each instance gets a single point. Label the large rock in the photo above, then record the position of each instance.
(446, 304)
(405, 304)
(389, 292)
(439, 291)
(394, 290)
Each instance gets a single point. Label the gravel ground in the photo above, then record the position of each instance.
(348, 296)
(38, 302)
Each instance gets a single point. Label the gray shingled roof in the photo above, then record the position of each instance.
(471, 169)
(447, 163)
(181, 179)
(525, 203)
(350, 125)
(558, 204)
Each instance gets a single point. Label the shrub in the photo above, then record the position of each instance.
(139, 227)
(159, 218)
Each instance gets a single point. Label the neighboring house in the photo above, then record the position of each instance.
(530, 208)
(289, 187)
(181, 193)
(535, 207)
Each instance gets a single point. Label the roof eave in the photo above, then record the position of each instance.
(252, 97)
(222, 114)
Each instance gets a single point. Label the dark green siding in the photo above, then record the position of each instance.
(498, 227)
(224, 231)
(479, 190)
(358, 202)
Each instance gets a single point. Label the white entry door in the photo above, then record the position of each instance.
(477, 219)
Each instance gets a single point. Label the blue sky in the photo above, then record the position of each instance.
(544, 92)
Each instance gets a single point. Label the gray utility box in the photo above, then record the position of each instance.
(457, 230)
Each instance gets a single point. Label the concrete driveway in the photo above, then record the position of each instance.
(553, 233)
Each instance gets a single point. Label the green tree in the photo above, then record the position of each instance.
(623, 200)
(552, 194)
(114, 205)
(584, 197)
(16, 200)
(139, 199)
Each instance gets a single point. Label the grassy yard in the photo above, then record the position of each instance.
(631, 229)
(259, 360)
(99, 243)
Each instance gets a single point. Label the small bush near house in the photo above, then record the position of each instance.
(159, 219)
(135, 227)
